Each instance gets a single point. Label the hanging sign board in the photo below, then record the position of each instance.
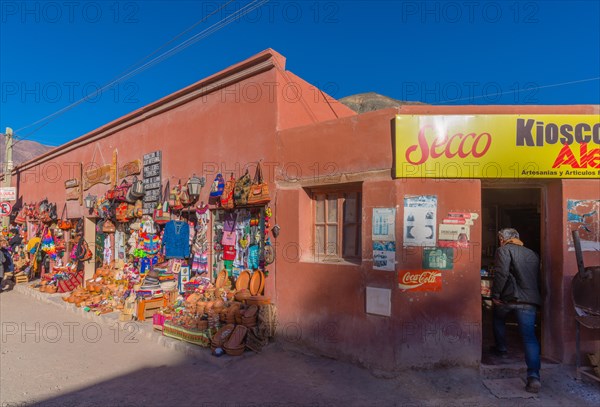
(8, 194)
(130, 168)
(152, 168)
(498, 146)
(97, 175)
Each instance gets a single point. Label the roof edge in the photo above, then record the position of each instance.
(261, 62)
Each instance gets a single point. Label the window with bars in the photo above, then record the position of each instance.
(337, 225)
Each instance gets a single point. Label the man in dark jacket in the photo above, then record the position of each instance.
(516, 289)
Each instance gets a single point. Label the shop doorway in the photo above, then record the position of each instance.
(507, 207)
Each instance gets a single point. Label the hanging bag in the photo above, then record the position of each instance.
(218, 185)
(184, 196)
(259, 191)
(136, 191)
(269, 253)
(227, 196)
(83, 251)
(174, 198)
(229, 253)
(123, 212)
(108, 226)
(242, 189)
(64, 223)
(161, 213)
(229, 238)
(21, 218)
(120, 193)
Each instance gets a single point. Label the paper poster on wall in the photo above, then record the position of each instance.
(420, 213)
(384, 255)
(438, 258)
(384, 224)
(420, 280)
(583, 215)
(455, 229)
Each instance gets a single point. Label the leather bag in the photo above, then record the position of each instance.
(64, 223)
(108, 226)
(259, 190)
(227, 196)
(242, 189)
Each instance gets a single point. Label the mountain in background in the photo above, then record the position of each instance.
(371, 101)
(23, 151)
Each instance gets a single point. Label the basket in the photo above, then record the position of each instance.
(254, 343)
(243, 280)
(251, 312)
(242, 295)
(221, 279)
(221, 336)
(234, 351)
(236, 339)
(258, 300)
(190, 287)
(255, 282)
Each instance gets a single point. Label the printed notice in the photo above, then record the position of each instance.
(420, 213)
(384, 224)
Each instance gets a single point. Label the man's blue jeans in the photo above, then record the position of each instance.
(526, 319)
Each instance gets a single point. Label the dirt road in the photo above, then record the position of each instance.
(54, 357)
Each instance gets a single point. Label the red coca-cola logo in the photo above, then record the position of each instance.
(420, 280)
(458, 144)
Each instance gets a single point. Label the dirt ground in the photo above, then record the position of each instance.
(52, 356)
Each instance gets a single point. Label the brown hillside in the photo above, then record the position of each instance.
(368, 102)
(23, 151)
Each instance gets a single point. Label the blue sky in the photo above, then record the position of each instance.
(459, 52)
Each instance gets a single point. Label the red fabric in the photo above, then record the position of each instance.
(72, 283)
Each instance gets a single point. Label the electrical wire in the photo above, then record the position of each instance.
(178, 48)
(524, 90)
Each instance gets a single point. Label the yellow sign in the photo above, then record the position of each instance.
(498, 146)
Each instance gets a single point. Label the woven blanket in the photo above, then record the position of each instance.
(200, 338)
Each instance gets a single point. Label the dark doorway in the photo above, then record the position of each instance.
(521, 209)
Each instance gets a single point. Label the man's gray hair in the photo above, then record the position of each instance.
(508, 233)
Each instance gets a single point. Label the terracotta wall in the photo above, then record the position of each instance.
(322, 305)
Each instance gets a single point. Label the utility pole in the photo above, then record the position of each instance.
(8, 166)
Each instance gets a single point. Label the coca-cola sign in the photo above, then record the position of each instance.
(420, 280)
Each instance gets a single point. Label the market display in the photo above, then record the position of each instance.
(196, 270)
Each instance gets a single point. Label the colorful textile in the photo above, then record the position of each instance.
(176, 240)
(201, 338)
(146, 263)
(150, 243)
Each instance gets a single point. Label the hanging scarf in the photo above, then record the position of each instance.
(48, 245)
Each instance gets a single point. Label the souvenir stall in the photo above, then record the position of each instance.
(46, 239)
(119, 265)
(196, 270)
(224, 309)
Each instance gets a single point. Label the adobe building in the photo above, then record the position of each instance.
(387, 219)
